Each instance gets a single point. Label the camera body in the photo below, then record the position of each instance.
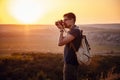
(59, 22)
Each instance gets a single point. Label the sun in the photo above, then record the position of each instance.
(26, 11)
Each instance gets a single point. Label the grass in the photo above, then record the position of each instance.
(40, 66)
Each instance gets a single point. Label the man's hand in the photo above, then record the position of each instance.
(60, 24)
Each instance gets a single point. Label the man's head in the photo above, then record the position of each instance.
(69, 19)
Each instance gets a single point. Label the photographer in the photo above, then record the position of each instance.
(73, 36)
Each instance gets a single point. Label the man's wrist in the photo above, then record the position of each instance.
(61, 30)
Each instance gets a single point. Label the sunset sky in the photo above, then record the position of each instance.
(48, 11)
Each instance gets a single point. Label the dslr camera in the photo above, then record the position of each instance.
(61, 22)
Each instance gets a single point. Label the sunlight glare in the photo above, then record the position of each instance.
(26, 11)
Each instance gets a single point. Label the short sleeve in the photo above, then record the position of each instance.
(75, 32)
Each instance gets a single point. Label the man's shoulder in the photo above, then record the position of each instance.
(75, 31)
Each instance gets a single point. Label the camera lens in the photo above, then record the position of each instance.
(59, 22)
(56, 23)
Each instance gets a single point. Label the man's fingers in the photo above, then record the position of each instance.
(60, 26)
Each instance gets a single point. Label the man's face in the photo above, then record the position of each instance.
(68, 22)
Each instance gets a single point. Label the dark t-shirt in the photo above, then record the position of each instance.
(69, 53)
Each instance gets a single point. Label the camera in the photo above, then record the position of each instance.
(59, 22)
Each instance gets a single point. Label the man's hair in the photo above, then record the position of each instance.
(70, 15)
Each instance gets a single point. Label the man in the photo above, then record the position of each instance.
(73, 36)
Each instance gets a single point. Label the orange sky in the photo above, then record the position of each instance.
(48, 11)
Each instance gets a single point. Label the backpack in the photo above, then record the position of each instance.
(83, 54)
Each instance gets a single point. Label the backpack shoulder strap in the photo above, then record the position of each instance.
(86, 41)
(72, 45)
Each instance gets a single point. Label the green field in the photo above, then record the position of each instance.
(48, 66)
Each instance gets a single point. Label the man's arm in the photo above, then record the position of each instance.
(66, 39)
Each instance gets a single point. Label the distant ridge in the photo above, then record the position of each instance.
(115, 26)
(102, 24)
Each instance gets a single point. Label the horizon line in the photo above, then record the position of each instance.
(53, 24)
